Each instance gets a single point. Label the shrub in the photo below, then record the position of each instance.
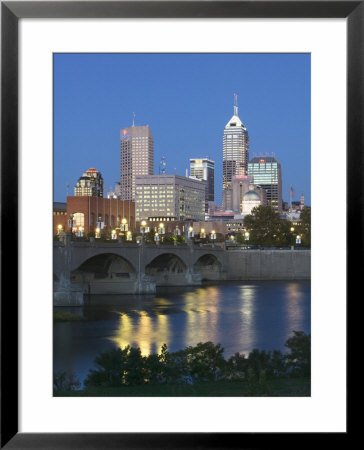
(65, 382)
(299, 358)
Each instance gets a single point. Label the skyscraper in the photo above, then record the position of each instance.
(204, 169)
(90, 184)
(266, 172)
(136, 157)
(235, 153)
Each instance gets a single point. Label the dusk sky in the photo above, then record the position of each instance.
(186, 99)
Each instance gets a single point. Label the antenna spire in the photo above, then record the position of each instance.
(235, 104)
(133, 119)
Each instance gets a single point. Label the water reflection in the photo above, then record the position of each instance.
(148, 332)
(294, 307)
(239, 316)
(202, 309)
(247, 307)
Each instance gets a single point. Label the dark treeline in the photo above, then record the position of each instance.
(200, 363)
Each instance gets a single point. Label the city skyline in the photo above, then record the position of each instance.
(186, 99)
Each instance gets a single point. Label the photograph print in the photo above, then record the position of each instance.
(182, 224)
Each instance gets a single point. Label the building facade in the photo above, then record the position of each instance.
(235, 154)
(136, 157)
(59, 217)
(204, 169)
(85, 214)
(116, 193)
(91, 184)
(250, 201)
(266, 172)
(169, 197)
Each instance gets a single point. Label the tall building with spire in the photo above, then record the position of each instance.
(235, 153)
(136, 157)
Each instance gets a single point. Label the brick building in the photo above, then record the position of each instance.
(92, 212)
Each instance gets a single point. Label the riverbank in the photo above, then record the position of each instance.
(277, 387)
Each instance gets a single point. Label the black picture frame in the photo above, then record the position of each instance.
(11, 12)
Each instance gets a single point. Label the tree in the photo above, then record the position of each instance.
(299, 359)
(266, 227)
(110, 367)
(205, 360)
(65, 382)
(304, 227)
(149, 237)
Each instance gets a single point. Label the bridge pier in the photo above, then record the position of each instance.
(64, 292)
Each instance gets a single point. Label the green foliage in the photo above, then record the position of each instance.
(203, 362)
(259, 360)
(267, 228)
(149, 237)
(304, 227)
(236, 367)
(105, 235)
(299, 358)
(169, 239)
(63, 381)
(110, 368)
(91, 234)
(240, 238)
(181, 239)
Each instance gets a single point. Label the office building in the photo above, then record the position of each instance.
(169, 198)
(235, 154)
(204, 169)
(136, 157)
(90, 184)
(266, 172)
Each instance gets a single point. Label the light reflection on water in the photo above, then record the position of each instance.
(240, 317)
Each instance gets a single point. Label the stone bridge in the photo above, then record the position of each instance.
(116, 268)
(124, 268)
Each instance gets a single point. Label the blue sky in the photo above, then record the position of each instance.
(186, 99)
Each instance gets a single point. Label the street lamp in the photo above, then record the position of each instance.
(190, 233)
(70, 222)
(59, 228)
(156, 238)
(113, 234)
(124, 224)
(202, 233)
(80, 231)
(298, 239)
(246, 235)
(213, 235)
(292, 238)
(129, 237)
(97, 233)
(161, 229)
(143, 224)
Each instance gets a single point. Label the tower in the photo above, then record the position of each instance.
(136, 157)
(235, 153)
(204, 169)
(90, 184)
(266, 172)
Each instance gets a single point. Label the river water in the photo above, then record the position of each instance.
(240, 316)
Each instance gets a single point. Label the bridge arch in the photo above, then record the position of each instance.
(209, 267)
(104, 273)
(168, 269)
